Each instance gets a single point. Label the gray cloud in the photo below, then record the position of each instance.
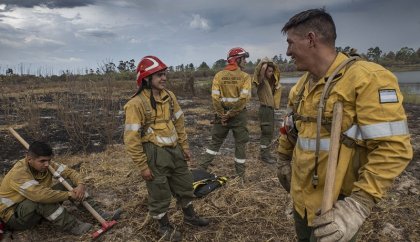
(73, 34)
(98, 33)
(47, 3)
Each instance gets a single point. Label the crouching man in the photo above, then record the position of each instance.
(27, 195)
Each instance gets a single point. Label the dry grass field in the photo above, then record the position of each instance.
(83, 121)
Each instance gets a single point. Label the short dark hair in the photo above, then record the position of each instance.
(316, 20)
(39, 148)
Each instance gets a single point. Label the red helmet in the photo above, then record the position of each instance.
(147, 66)
(237, 52)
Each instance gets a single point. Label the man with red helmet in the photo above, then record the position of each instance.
(231, 91)
(155, 138)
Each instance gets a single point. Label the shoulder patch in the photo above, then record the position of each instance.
(388, 96)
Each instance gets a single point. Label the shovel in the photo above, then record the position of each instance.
(106, 225)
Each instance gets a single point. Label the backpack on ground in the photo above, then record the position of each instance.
(205, 182)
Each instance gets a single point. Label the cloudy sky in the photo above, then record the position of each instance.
(74, 34)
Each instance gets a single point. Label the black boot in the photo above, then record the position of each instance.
(266, 156)
(190, 217)
(167, 231)
(110, 215)
(80, 228)
(107, 215)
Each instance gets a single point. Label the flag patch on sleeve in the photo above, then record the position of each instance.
(388, 96)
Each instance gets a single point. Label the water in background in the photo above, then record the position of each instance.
(408, 77)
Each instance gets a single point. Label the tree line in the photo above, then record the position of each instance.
(404, 56)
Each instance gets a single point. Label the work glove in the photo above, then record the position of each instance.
(284, 171)
(343, 221)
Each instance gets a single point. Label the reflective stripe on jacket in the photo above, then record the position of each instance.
(373, 117)
(268, 91)
(162, 131)
(22, 182)
(231, 90)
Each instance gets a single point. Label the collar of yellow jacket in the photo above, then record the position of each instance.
(338, 60)
(276, 74)
(36, 174)
(164, 95)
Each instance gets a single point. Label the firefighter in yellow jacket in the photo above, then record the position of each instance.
(267, 79)
(375, 142)
(155, 138)
(27, 195)
(231, 91)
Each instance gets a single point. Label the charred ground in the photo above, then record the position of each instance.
(258, 211)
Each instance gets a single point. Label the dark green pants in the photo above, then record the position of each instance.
(304, 232)
(219, 132)
(171, 176)
(266, 116)
(29, 213)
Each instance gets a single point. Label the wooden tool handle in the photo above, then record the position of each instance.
(18, 137)
(60, 178)
(328, 198)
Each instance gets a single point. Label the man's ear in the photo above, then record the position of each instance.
(29, 158)
(312, 38)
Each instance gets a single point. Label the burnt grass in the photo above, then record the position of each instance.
(260, 210)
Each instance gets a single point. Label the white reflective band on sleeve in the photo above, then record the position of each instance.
(385, 129)
(27, 184)
(149, 130)
(132, 127)
(56, 213)
(354, 132)
(240, 161)
(263, 146)
(244, 91)
(212, 152)
(167, 140)
(310, 144)
(230, 99)
(178, 114)
(60, 169)
(159, 216)
(215, 92)
(6, 202)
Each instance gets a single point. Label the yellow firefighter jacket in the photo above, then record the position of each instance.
(231, 90)
(165, 127)
(373, 117)
(23, 182)
(269, 91)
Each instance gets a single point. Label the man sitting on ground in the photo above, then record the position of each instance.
(27, 195)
